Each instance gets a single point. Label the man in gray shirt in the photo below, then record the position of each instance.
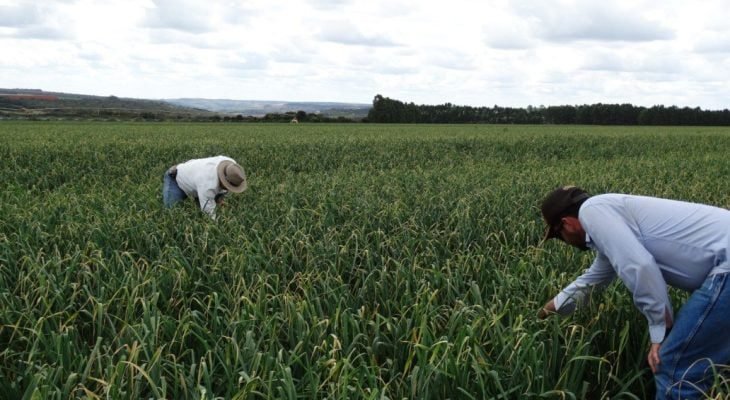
(650, 243)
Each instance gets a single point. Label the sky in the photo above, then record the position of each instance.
(482, 53)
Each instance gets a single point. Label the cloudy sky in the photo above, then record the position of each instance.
(480, 52)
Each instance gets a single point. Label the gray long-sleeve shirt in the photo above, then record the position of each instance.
(648, 243)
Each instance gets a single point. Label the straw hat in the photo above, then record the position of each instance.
(232, 176)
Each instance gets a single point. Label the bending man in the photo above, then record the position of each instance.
(650, 243)
(206, 179)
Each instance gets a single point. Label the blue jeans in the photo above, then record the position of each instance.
(699, 338)
(171, 192)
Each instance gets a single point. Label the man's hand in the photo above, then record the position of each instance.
(653, 357)
(219, 198)
(547, 310)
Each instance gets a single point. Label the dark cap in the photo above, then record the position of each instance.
(556, 203)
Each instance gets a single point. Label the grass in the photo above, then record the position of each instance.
(364, 261)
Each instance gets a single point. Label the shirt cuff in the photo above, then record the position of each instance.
(562, 306)
(657, 333)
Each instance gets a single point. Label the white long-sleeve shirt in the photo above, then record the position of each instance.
(648, 243)
(198, 178)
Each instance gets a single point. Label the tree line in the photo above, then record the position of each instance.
(386, 110)
(383, 110)
(289, 116)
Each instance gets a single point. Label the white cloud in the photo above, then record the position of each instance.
(295, 53)
(566, 21)
(183, 15)
(245, 63)
(36, 21)
(714, 42)
(44, 32)
(503, 29)
(345, 32)
(329, 4)
(451, 59)
(19, 15)
(507, 38)
(505, 52)
(643, 60)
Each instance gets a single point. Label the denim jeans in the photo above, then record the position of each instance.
(699, 338)
(171, 192)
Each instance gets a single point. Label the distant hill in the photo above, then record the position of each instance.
(258, 108)
(39, 104)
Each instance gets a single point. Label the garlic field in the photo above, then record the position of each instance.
(364, 261)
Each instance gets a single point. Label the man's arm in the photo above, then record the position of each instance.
(206, 198)
(598, 275)
(634, 265)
